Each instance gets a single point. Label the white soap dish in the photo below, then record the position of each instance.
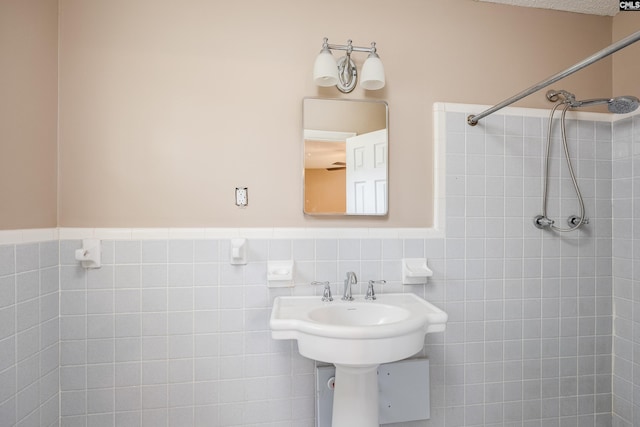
(280, 274)
(415, 271)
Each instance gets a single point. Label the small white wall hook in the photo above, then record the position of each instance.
(90, 254)
(238, 251)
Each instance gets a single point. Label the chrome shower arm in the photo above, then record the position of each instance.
(590, 102)
(472, 120)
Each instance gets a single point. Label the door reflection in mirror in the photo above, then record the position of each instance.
(345, 157)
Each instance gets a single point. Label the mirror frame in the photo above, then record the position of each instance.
(343, 214)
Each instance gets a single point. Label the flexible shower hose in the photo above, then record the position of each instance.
(581, 218)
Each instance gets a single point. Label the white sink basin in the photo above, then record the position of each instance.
(358, 314)
(359, 332)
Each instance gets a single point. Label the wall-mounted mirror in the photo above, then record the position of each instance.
(345, 157)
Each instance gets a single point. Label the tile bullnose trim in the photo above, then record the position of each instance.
(70, 233)
(29, 235)
(12, 237)
(452, 107)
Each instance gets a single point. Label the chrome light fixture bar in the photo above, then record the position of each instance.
(343, 73)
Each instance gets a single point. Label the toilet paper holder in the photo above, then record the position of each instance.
(90, 254)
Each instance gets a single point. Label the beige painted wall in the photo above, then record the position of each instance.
(28, 113)
(626, 63)
(166, 107)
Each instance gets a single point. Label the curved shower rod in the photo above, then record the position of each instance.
(621, 44)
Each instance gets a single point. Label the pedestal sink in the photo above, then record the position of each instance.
(356, 336)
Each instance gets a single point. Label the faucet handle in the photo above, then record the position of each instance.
(326, 292)
(371, 295)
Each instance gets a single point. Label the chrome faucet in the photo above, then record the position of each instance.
(350, 280)
(371, 295)
(326, 292)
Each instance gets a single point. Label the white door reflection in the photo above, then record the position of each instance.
(366, 173)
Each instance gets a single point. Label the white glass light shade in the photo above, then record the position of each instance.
(325, 69)
(372, 76)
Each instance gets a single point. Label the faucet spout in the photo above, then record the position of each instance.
(350, 280)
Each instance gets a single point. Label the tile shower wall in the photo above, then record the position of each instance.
(29, 339)
(168, 333)
(529, 341)
(626, 253)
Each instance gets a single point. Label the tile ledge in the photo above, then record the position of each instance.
(8, 237)
(30, 235)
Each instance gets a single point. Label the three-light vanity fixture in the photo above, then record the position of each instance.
(343, 73)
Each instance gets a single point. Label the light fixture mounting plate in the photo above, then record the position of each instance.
(347, 75)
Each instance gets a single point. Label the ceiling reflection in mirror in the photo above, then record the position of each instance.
(345, 157)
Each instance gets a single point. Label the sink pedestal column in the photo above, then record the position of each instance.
(355, 398)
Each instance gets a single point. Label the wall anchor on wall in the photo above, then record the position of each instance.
(90, 254)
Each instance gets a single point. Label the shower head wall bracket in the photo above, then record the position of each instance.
(554, 96)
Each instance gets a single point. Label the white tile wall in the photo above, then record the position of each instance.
(29, 337)
(176, 336)
(626, 253)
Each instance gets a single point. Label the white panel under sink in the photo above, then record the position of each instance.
(403, 392)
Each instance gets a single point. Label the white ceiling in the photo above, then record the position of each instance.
(592, 7)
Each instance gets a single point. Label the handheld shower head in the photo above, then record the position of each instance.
(623, 104)
(617, 105)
